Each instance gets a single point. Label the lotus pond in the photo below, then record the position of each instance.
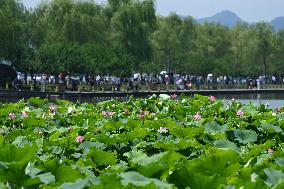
(159, 142)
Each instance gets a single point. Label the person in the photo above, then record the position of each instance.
(92, 81)
(117, 84)
(74, 84)
(167, 79)
(137, 81)
(180, 84)
(258, 83)
(189, 85)
(198, 82)
(43, 82)
(61, 81)
(15, 84)
(130, 84)
(20, 84)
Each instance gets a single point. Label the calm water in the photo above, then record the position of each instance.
(274, 100)
(269, 102)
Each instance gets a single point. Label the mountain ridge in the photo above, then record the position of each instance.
(227, 18)
(230, 19)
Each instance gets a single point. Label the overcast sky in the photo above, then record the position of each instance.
(248, 10)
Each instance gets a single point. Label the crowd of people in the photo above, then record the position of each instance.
(181, 82)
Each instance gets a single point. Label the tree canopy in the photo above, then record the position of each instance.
(126, 36)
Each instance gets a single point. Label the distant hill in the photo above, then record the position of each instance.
(278, 23)
(230, 19)
(225, 18)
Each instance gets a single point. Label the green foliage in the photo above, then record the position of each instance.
(126, 36)
(273, 176)
(213, 127)
(137, 180)
(225, 143)
(245, 136)
(87, 148)
(13, 162)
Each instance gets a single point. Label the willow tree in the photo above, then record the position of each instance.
(167, 41)
(212, 53)
(71, 21)
(240, 48)
(264, 36)
(12, 14)
(132, 23)
(67, 25)
(278, 54)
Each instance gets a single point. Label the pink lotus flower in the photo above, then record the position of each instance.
(14, 126)
(197, 117)
(270, 151)
(278, 110)
(24, 114)
(108, 113)
(240, 113)
(12, 116)
(141, 116)
(174, 96)
(80, 139)
(111, 113)
(212, 98)
(163, 130)
(104, 113)
(126, 111)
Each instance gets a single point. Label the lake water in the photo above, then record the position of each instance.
(269, 102)
(274, 100)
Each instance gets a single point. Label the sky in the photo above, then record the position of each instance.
(248, 10)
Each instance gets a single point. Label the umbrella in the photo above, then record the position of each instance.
(7, 73)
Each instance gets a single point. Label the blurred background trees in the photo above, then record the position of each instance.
(126, 36)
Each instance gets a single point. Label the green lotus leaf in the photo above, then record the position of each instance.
(87, 145)
(20, 141)
(270, 127)
(136, 179)
(213, 127)
(273, 176)
(78, 184)
(225, 143)
(101, 157)
(280, 161)
(13, 161)
(245, 136)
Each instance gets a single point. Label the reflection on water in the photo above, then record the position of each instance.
(274, 100)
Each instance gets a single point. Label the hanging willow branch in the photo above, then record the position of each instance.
(134, 21)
